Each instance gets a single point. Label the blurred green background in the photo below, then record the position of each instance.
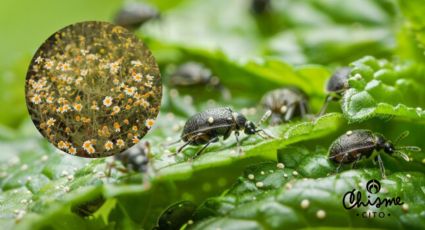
(24, 26)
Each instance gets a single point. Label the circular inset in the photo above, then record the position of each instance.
(93, 89)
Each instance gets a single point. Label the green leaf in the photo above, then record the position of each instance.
(382, 89)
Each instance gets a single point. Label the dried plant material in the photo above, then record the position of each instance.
(93, 89)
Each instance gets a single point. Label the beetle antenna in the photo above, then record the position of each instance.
(328, 99)
(409, 148)
(171, 143)
(402, 155)
(262, 133)
(266, 116)
(401, 137)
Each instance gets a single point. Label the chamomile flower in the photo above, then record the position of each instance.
(109, 145)
(86, 120)
(149, 123)
(72, 150)
(50, 122)
(78, 80)
(62, 145)
(87, 144)
(116, 109)
(120, 143)
(48, 64)
(90, 150)
(61, 100)
(135, 140)
(65, 67)
(144, 103)
(137, 77)
(94, 107)
(84, 52)
(104, 132)
(92, 57)
(50, 99)
(130, 90)
(78, 107)
(114, 67)
(38, 60)
(36, 99)
(84, 72)
(148, 84)
(149, 77)
(136, 63)
(66, 107)
(107, 101)
(117, 127)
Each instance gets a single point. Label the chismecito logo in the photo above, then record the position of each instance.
(355, 199)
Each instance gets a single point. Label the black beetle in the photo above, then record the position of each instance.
(260, 6)
(134, 159)
(353, 145)
(133, 15)
(87, 208)
(206, 127)
(336, 86)
(176, 215)
(192, 74)
(285, 103)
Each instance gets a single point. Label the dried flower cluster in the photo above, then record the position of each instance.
(93, 89)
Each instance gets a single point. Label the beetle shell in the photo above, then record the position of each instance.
(191, 73)
(133, 15)
(339, 80)
(260, 6)
(353, 145)
(134, 158)
(88, 208)
(175, 216)
(284, 97)
(202, 121)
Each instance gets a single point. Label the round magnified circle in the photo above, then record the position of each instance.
(93, 89)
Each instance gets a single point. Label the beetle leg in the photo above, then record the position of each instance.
(238, 143)
(146, 181)
(290, 112)
(303, 108)
(381, 165)
(354, 165)
(108, 169)
(341, 162)
(328, 99)
(265, 117)
(172, 143)
(204, 147)
(113, 165)
(181, 148)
